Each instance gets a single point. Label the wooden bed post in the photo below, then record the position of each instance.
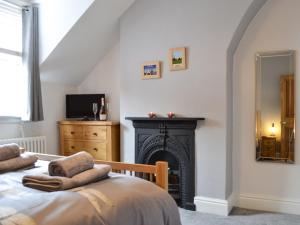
(162, 174)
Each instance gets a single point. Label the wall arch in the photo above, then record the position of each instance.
(275, 185)
(251, 12)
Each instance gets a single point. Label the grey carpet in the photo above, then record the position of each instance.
(238, 217)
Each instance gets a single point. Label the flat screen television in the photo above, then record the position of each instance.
(80, 106)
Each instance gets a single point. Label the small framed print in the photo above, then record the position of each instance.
(177, 58)
(151, 70)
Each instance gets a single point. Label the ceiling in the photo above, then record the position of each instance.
(91, 37)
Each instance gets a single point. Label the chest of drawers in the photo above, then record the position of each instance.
(268, 147)
(100, 138)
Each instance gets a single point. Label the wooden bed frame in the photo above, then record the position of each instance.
(157, 173)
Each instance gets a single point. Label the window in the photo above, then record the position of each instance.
(13, 82)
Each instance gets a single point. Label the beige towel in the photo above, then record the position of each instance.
(9, 151)
(24, 160)
(71, 165)
(54, 183)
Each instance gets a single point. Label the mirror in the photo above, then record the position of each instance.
(275, 106)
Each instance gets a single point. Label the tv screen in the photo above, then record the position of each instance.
(81, 105)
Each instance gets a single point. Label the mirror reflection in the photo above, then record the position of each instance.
(275, 106)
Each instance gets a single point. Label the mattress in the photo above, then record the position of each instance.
(117, 200)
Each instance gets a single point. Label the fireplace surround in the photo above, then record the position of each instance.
(171, 140)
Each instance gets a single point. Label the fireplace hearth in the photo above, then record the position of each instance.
(171, 140)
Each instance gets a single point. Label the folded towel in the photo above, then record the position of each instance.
(24, 160)
(54, 183)
(9, 151)
(71, 165)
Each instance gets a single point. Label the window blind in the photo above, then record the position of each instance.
(11, 28)
(13, 82)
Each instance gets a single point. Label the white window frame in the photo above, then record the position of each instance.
(10, 52)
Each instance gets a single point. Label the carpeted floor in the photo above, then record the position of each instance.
(238, 217)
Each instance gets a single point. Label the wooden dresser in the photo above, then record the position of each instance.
(268, 147)
(100, 138)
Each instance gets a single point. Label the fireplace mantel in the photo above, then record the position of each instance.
(165, 118)
(164, 138)
(158, 122)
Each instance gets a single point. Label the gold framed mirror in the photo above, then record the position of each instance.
(275, 106)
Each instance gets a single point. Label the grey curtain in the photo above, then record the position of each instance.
(31, 62)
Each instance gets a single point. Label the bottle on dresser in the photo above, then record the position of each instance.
(103, 113)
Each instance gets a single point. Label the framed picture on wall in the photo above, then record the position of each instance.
(151, 70)
(177, 58)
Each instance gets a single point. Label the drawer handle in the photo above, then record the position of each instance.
(72, 132)
(72, 147)
(95, 149)
(95, 134)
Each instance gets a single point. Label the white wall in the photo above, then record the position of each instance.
(54, 110)
(260, 183)
(10, 128)
(148, 30)
(105, 78)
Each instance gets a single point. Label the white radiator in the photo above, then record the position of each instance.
(31, 144)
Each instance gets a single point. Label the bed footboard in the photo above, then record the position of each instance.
(157, 173)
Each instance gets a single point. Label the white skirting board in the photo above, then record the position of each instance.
(249, 201)
(216, 206)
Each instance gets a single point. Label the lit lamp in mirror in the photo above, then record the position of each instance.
(273, 130)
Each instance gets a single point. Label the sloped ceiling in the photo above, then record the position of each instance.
(86, 43)
(56, 19)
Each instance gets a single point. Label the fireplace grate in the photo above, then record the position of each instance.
(174, 185)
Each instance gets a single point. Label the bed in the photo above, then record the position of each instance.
(122, 199)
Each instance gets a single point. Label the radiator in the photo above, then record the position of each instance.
(31, 144)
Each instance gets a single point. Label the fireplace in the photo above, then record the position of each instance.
(171, 140)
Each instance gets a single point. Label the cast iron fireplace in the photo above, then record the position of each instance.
(171, 140)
